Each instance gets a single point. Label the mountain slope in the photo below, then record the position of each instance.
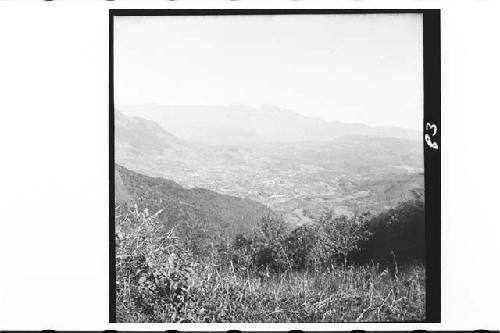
(238, 124)
(200, 214)
(142, 136)
(140, 142)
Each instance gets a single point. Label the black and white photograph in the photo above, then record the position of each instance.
(269, 168)
(249, 166)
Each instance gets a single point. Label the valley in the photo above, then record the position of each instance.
(299, 180)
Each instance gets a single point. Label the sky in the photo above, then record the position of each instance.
(352, 68)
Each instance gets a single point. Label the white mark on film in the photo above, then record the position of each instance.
(428, 140)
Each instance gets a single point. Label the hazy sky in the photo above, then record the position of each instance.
(352, 68)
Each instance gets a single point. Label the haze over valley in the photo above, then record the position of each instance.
(300, 167)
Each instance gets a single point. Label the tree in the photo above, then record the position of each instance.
(397, 235)
(339, 237)
(269, 244)
(300, 246)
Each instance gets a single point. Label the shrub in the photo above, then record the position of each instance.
(339, 238)
(397, 235)
(268, 244)
(242, 253)
(300, 245)
(152, 269)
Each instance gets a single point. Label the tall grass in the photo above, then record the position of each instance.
(337, 295)
(160, 280)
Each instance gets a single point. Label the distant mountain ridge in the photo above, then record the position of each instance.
(240, 124)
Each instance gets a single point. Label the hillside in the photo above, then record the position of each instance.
(139, 142)
(142, 136)
(239, 124)
(195, 211)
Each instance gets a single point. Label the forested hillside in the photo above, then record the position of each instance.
(199, 214)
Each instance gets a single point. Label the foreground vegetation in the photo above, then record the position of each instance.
(339, 269)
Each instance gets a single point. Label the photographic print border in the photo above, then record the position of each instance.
(431, 133)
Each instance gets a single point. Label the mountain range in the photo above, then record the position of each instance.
(241, 124)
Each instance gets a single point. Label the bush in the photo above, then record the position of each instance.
(339, 237)
(300, 246)
(396, 235)
(268, 244)
(152, 269)
(242, 253)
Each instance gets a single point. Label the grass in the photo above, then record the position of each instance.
(341, 295)
(159, 280)
(352, 294)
